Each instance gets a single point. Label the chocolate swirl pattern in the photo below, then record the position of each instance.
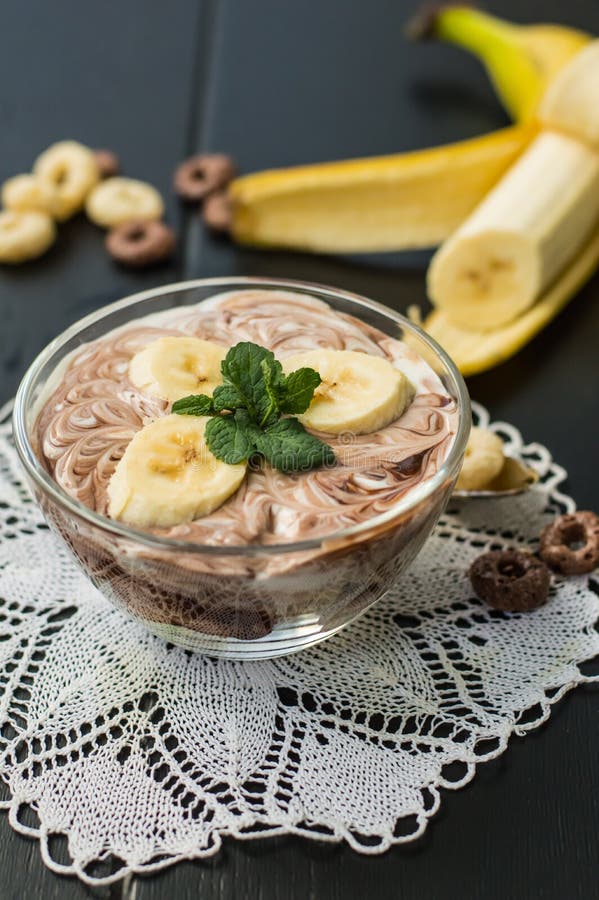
(93, 413)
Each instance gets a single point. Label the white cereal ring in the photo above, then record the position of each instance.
(24, 235)
(72, 171)
(25, 192)
(118, 200)
(483, 460)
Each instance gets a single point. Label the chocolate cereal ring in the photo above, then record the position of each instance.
(201, 175)
(570, 544)
(510, 580)
(108, 163)
(139, 243)
(217, 211)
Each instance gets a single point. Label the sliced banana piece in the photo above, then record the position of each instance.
(71, 171)
(117, 200)
(173, 367)
(483, 460)
(168, 475)
(23, 193)
(24, 235)
(358, 393)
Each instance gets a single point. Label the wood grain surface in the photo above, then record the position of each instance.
(277, 83)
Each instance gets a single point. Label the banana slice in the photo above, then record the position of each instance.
(358, 394)
(483, 460)
(174, 367)
(169, 476)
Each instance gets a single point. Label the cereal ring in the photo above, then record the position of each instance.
(138, 243)
(570, 544)
(119, 200)
(26, 192)
(24, 235)
(201, 175)
(510, 581)
(483, 460)
(217, 211)
(71, 171)
(108, 163)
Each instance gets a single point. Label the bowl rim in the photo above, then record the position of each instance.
(47, 484)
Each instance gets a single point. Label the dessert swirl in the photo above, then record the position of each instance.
(93, 413)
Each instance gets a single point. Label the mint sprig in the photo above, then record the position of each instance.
(246, 412)
(288, 447)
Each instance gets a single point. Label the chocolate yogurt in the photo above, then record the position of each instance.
(92, 410)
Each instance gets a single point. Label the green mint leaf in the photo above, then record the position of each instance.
(274, 385)
(299, 391)
(226, 396)
(242, 368)
(194, 405)
(245, 412)
(232, 439)
(288, 447)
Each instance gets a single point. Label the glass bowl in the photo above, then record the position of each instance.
(240, 602)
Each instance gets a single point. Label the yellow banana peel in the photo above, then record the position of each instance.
(410, 200)
(476, 351)
(398, 202)
(415, 200)
(521, 60)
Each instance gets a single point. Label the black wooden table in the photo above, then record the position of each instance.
(277, 83)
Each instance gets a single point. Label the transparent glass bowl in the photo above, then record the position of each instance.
(245, 602)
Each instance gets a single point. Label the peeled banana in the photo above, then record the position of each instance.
(168, 475)
(173, 367)
(475, 351)
(521, 60)
(485, 314)
(572, 100)
(523, 234)
(358, 393)
(409, 200)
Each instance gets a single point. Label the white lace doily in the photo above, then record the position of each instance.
(124, 754)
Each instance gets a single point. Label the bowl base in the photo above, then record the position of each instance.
(280, 642)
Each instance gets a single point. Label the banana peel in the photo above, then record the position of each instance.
(411, 200)
(520, 60)
(398, 202)
(416, 200)
(476, 351)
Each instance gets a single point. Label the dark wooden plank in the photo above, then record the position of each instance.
(277, 84)
(293, 83)
(117, 75)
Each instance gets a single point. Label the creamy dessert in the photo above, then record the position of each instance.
(238, 426)
(108, 436)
